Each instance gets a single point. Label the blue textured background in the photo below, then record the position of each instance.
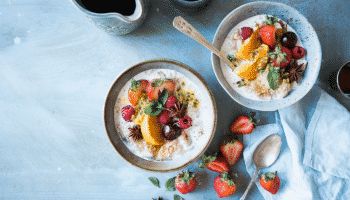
(56, 68)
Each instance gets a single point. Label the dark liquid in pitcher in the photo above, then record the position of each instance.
(344, 79)
(126, 7)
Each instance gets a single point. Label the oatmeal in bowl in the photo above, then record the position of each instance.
(160, 115)
(275, 55)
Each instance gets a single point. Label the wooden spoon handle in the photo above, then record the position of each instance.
(183, 26)
(250, 184)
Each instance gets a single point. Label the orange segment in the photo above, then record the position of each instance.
(151, 131)
(249, 45)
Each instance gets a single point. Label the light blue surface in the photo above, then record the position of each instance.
(56, 69)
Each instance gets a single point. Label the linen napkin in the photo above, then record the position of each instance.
(314, 162)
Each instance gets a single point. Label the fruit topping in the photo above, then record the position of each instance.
(281, 57)
(178, 110)
(136, 90)
(216, 163)
(127, 113)
(270, 182)
(171, 101)
(246, 32)
(243, 124)
(249, 46)
(164, 117)
(224, 185)
(151, 130)
(156, 86)
(289, 39)
(268, 35)
(185, 122)
(295, 72)
(171, 131)
(185, 182)
(231, 148)
(135, 133)
(298, 52)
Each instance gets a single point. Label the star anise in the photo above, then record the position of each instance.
(178, 110)
(295, 72)
(135, 133)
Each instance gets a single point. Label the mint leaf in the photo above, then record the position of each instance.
(155, 181)
(231, 58)
(273, 77)
(154, 109)
(177, 197)
(170, 184)
(163, 97)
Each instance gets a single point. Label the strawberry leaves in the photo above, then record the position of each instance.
(156, 107)
(273, 77)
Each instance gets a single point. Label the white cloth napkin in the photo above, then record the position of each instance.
(314, 162)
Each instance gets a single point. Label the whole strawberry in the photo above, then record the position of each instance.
(243, 124)
(185, 182)
(224, 185)
(214, 163)
(270, 182)
(231, 148)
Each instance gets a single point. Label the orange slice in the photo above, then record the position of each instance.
(249, 45)
(151, 132)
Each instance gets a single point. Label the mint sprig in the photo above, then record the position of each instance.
(273, 77)
(156, 107)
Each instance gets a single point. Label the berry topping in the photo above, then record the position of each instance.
(298, 52)
(246, 32)
(282, 56)
(185, 122)
(289, 39)
(128, 112)
(171, 131)
(172, 100)
(164, 117)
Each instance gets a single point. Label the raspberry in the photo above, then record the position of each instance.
(298, 52)
(171, 101)
(246, 32)
(185, 122)
(164, 117)
(128, 112)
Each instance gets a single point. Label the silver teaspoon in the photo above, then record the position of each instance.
(264, 156)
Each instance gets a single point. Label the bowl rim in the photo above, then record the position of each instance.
(186, 67)
(272, 107)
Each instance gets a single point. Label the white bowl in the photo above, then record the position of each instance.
(116, 138)
(306, 34)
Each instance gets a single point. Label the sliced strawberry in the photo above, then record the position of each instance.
(231, 149)
(136, 90)
(268, 35)
(243, 124)
(224, 185)
(185, 182)
(156, 86)
(214, 163)
(283, 57)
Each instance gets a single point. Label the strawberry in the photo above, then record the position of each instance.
(224, 185)
(156, 86)
(283, 56)
(127, 112)
(270, 182)
(136, 90)
(214, 163)
(298, 52)
(243, 124)
(231, 148)
(246, 32)
(268, 35)
(185, 182)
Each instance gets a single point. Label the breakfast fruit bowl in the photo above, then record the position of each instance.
(160, 115)
(275, 52)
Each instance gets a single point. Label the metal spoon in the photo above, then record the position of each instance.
(183, 26)
(264, 156)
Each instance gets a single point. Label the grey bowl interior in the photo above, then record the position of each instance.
(308, 38)
(116, 140)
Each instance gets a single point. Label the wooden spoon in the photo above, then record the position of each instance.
(183, 26)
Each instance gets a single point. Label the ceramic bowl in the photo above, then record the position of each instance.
(308, 38)
(116, 138)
